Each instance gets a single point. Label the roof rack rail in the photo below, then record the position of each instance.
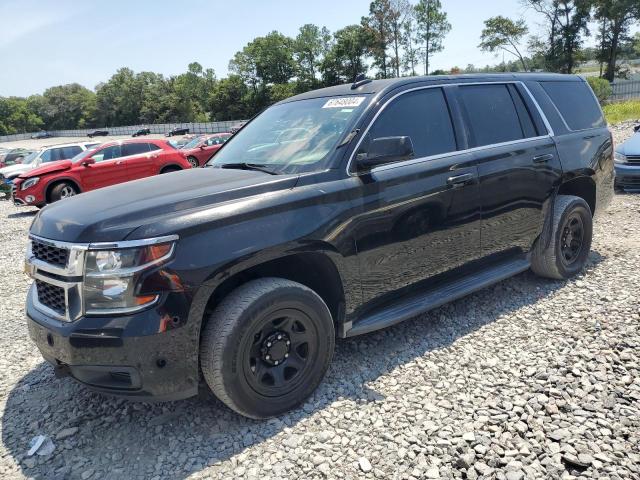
(359, 81)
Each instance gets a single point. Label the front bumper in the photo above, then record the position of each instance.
(120, 355)
(627, 177)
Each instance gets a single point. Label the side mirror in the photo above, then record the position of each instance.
(385, 150)
(202, 147)
(88, 161)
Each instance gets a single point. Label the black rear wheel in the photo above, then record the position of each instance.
(568, 248)
(193, 161)
(267, 346)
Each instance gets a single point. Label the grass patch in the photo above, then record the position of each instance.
(621, 111)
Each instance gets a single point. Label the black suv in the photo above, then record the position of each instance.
(331, 214)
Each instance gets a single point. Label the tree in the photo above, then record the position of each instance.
(615, 17)
(409, 42)
(566, 23)
(228, 99)
(432, 27)
(16, 116)
(68, 107)
(345, 59)
(265, 60)
(378, 29)
(400, 14)
(501, 33)
(309, 47)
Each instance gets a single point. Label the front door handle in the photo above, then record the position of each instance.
(460, 180)
(547, 157)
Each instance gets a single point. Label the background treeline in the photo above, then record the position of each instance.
(395, 38)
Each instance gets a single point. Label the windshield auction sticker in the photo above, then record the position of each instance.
(344, 102)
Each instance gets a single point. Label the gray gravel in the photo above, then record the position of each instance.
(530, 378)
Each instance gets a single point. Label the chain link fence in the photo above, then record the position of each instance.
(162, 128)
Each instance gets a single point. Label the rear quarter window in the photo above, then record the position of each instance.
(576, 104)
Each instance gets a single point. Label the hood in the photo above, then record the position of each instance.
(15, 170)
(153, 206)
(630, 147)
(48, 167)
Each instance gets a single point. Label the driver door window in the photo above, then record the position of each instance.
(423, 116)
(108, 153)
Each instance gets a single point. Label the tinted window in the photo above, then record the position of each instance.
(423, 116)
(576, 104)
(526, 122)
(134, 149)
(153, 146)
(69, 152)
(108, 153)
(492, 114)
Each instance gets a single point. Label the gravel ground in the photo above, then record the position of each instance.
(530, 378)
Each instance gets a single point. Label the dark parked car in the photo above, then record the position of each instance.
(177, 131)
(627, 158)
(98, 133)
(373, 203)
(141, 132)
(40, 135)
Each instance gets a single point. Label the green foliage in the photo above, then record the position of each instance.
(621, 111)
(433, 26)
(601, 87)
(501, 33)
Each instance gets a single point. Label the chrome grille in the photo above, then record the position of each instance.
(50, 254)
(51, 296)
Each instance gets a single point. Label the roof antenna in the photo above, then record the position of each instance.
(360, 80)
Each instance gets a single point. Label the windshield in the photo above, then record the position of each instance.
(293, 137)
(193, 143)
(30, 158)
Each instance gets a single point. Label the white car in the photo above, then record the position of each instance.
(51, 153)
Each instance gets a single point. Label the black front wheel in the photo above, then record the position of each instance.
(267, 346)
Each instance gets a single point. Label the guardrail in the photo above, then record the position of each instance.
(162, 128)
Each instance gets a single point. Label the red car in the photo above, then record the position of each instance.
(200, 149)
(106, 164)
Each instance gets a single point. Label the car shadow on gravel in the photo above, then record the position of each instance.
(120, 439)
(24, 214)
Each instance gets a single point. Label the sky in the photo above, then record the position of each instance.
(46, 43)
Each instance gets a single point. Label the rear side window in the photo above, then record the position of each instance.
(492, 114)
(134, 149)
(422, 115)
(70, 152)
(153, 146)
(576, 104)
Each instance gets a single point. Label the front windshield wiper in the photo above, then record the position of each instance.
(248, 166)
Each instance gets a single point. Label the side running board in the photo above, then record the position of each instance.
(429, 299)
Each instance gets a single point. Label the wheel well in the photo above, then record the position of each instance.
(314, 270)
(170, 168)
(52, 185)
(583, 187)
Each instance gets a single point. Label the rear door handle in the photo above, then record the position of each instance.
(547, 157)
(460, 180)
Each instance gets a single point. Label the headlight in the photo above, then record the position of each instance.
(619, 157)
(111, 277)
(29, 182)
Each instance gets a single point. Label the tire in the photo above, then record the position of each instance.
(244, 354)
(61, 191)
(193, 161)
(566, 254)
(170, 169)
